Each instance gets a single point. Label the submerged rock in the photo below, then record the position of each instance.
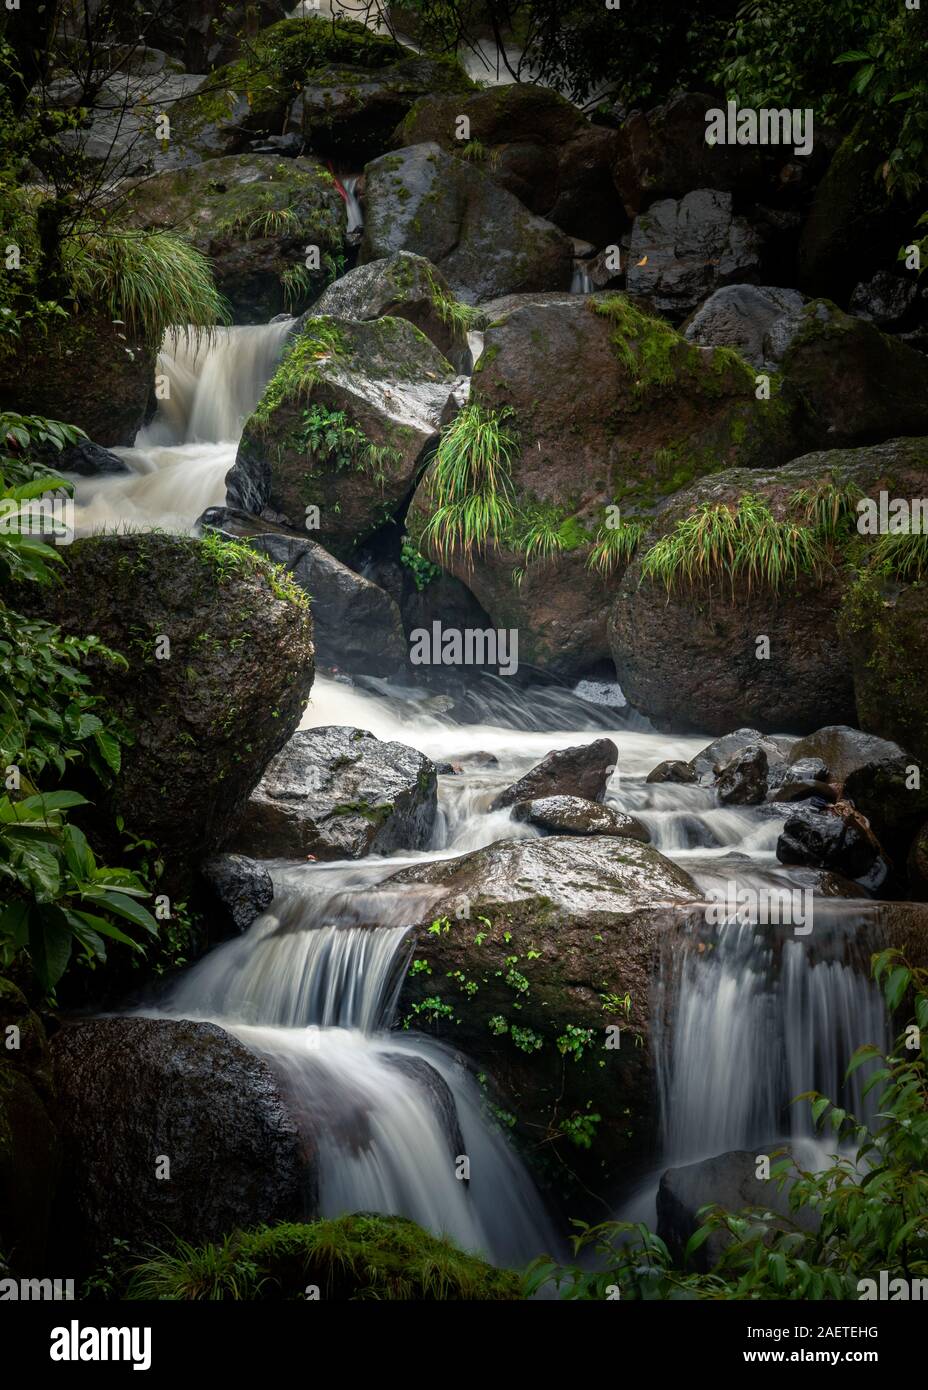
(582, 772)
(574, 815)
(239, 889)
(340, 793)
(135, 1093)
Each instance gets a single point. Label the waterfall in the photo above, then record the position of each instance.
(352, 205)
(177, 466)
(388, 1115)
(581, 282)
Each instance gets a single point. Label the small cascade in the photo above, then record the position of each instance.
(474, 351)
(178, 464)
(581, 282)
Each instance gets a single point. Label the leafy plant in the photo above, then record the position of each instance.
(422, 569)
(830, 507)
(470, 482)
(330, 435)
(615, 546)
(902, 555)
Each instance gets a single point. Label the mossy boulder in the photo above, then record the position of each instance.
(484, 241)
(534, 143)
(342, 427)
(386, 1258)
(349, 112)
(691, 658)
(254, 216)
(613, 411)
(219, 665)
(29, 1158)
(527, 954)
(884, 628)
(862, 385)
(87, 371)
(253, 94)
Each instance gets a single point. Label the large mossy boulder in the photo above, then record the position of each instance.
(88, 371)
(170, 1125)
(29, 1156)
(254, 216)
(536, 958)
(342, 427)
(219, 665)
(692, 658)
(534, 143)
(340, 793)
(610, 411)
(884, 627)
(484, 241)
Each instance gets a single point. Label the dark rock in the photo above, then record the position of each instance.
(710, 761)
(133, 1092)
(88, 460)
(743, 781)
(572, 815)
(448, 210)
(826, 839)
(892, 792)
(884, 629)
(440, 1097)
(340, 793)
(583, 771)
(671, 770)
(356, 626)
(839, 750)
(239, 890)
(917, 864)
(887, 299)
(29, 1157)
(806, 777)
(681, 251)
(756, 320)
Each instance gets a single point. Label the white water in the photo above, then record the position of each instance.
(581, 282)
(180, 459)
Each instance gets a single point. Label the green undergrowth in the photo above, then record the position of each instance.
(362, 1257)
(230, 559)
(318, 342)
(470, 481)
(656, 356)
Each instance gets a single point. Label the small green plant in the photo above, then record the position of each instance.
(421, 568)
(459, 317)
(330, 435)
(526, 1039)
(230, 558)
(615, 546)
(580, 1129)
(470, 483)
(574, 1041)
(830, 507)
(903, 555)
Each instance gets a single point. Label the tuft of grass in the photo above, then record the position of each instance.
(362, 1257)
(745, 544)
(149, 280)
(830, 507)
(229, 559)
(903, 555)
(459, 317)
(470, 481)
(615, 546)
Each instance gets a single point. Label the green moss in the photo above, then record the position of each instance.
(318, 341)
(385, 1258)
(226, 558)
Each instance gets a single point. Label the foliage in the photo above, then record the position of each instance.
(470, 483)
(385, 1258)
(902, 555)
(329, 435)
(615, 546)
(228, 557)
(422, 569)
(459, 317)
(830, 507)
(742, 544)
(870, 1201)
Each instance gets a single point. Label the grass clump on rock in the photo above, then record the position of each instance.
(471, 481)
(384, 1258)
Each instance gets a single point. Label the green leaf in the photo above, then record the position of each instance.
(49, 945)
(109, 749)
(128, 908)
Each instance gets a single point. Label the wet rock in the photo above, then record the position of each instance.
(892, 792)
(215, 713)
(710, 761)
(566, 929)
(377, 391)
(672, 770)
(917, 863)
(681, 251)
(583, 772)
(253, 216)
(729, 1181)
(238, 890)
(29, 1155)
(743, 781)
(829, 840)
(887, 300)
(572, 815)
(806, 777)
(441, 1097)
(87, 460)
(484, 241)
(119, 134)
(340, 793)
(356, 626)
(757, 320)
(884, 629)
(131, 1089)
(839, 750)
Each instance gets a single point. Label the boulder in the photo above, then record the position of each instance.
(574, 815)
(536, 144)
(134, 1093)
(729, 1181)
(197, 37)
(340, 793)
(356, 626)
(29, 1156)
(806, 777)
(47, 375)
(688, 658)
(536, 958)
(582, 772)
(349, 113)
(756, 320)
(839, 750)
(884, 628)
(828, 839)
(680, 251)
(483, 240)
(342, 427)
(254, 216)
(887, 300)
(743, 781)
(708, 764)
(237, 890)
(672, 770)
(118, 132)
(590, 467)
(403, 286)
(892, 792)
(87, 460)
(220, 665)
(862, 385)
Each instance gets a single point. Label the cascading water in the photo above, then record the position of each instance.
(178, 464)
(581, 282)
